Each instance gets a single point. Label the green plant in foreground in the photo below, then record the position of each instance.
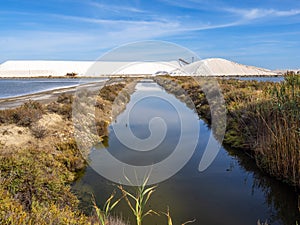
(138, 201)
(262, 223)
(167, 214)
(103, 215)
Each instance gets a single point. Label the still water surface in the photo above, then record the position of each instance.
(231, 191)
(18, 87)
(261, 79)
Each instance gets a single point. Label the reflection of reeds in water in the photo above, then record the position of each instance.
(281, 198)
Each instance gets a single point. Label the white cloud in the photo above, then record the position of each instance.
(114, 8)
(118, 22)
(255, 13)
(292, 12)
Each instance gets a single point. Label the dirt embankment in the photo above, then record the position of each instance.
(40, 157)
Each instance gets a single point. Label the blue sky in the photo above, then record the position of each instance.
(263, 33)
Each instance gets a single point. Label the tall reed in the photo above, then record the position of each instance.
(278, 142)
(138, 201)
(103, 215)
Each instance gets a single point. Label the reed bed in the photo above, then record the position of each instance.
(278, 143)
(263, 119)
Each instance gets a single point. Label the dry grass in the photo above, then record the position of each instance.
(278, 143)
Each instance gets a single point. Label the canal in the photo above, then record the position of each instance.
(230, 191)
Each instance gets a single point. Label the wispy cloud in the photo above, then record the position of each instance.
(194, 4)
(116, 8)
(245, 14)
(154, 26)
(256, 13)
(106, 33)
(106, 21)
(84, 29)
(138, 21)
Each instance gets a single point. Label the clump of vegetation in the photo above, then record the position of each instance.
(28, 178)
(278, 126)
(25, 115)
(70, 155)
(101, 127)
(110, 92)
(13, 213)
(103, 216)
(34, 190)
(263, 223)
(65, 98)
(136, 201)
(38, 131)
(62, 106)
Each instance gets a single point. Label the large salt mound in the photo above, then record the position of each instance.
(220, 67)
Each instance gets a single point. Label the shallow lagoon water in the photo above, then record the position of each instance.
(18, 87)
(231, 191)
(261, 79)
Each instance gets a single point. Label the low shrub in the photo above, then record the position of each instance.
(110, 92)
(25, 115)
(70, 155)
(38, 131)
(64, 109)
(34, 189)
(101, 127)
(31, 175)
(53, 107)
(65, 98)
(13, 213)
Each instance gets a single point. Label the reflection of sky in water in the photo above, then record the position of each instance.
(230, 191)
(147, 104)
(260, 79)
(19, 87)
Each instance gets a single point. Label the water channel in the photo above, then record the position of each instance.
(231, 191)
